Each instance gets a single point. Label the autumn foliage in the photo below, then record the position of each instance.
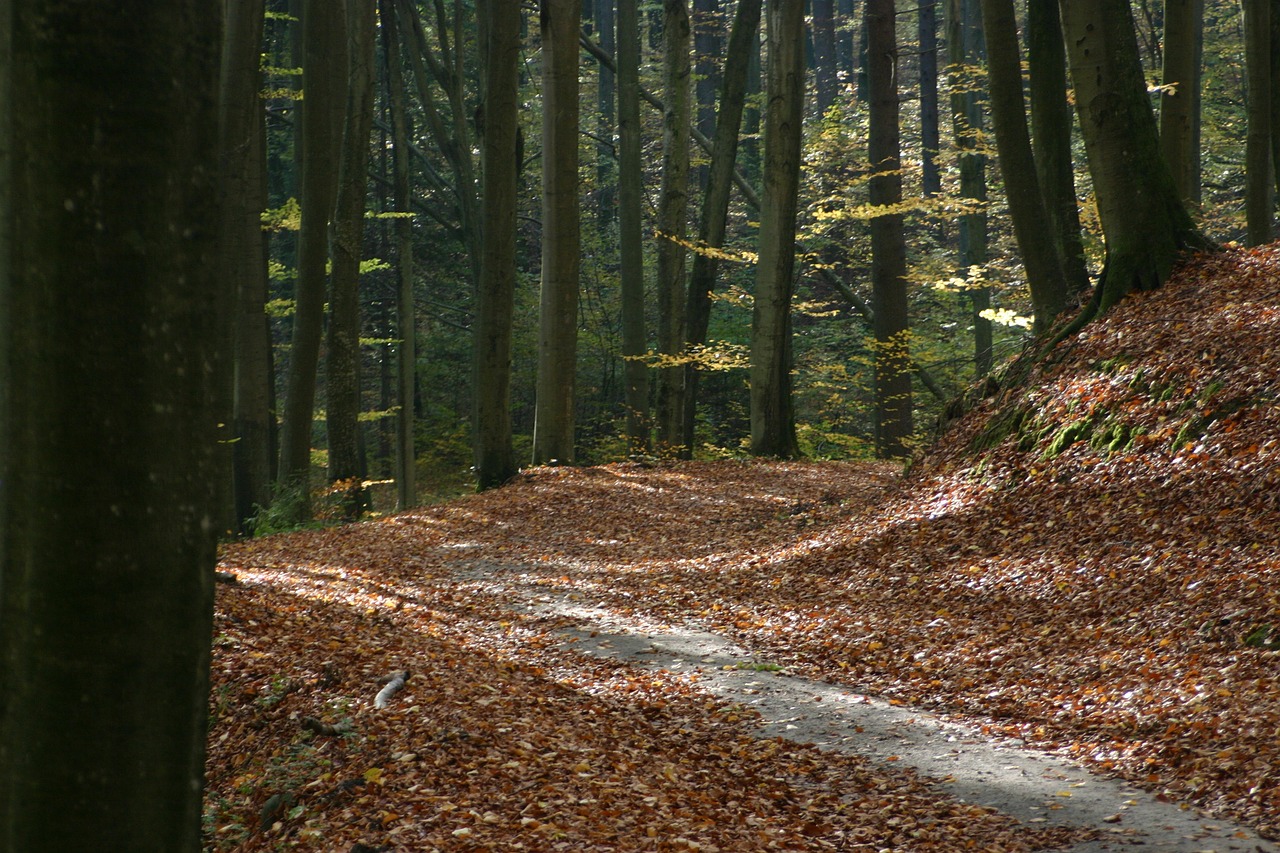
(1090, 562)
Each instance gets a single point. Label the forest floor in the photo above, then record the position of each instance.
(1087, 566)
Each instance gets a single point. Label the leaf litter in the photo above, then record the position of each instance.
(1097, 574)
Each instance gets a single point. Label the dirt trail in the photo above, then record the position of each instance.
(1031, 785)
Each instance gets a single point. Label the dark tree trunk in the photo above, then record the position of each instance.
(1017, 166)
(825, 62)
(1180, 98)
(715, 203)
(927, 32)
(630, 236)
(708, 47)
(1259, 188)
(606, 159)
(888, 246)
(773, 430)
(110, 361)
(1051, 137)
(495, 297)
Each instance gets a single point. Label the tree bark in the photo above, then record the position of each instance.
(927, 34)
(110, 361)
(1180, 97)
(606, 114)
(966, 51)
(673, 206)
(342, 360)
(324, 70)
(715, 202)
(773, 431)
(825, 79)
(241, 253)
(495, 297)
(1017, 166)
(1143, 218)
(558, 313)
(1051, 139)
(1259, 188)
(630, 236)
(888, 248)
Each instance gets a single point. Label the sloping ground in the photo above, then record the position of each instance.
(1093, 564)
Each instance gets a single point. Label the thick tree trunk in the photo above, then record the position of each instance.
(406, 321)
(558, 313)
(109, 364)
(630, 236)
(1017, 166)
(1180, 98)
(495, 297)
(1259, 188)
(1143, 219)
(242, 262)
(324, 70)
(715, 202)
(342, 360)
(773, 431)
(966, 51)
(1051, 138)
(888, 248)
(673, 216)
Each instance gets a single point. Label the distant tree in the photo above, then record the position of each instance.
(888, 243)
(673, 217)
(1017, 165)
(927, 35)
(495, 297)
(1143, 218)
(606, 116)
(553, 431)
(825, 58)
(773, 431)
(109, 367)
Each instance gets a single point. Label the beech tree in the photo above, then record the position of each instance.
(109, 368)
(1259, 189)
(1180, 94)
(630, 237)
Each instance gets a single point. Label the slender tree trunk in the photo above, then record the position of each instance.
(888, 248)
(773, 431)
(825, 80)
(708, 49)
(1275, 92)
(111, 363)
(715, 203)
(558, 314)
(1017, 166)
(242, 262)
(606, 159)
(1051, 137)
(927, 32)
(967, 50)
(1143, 219)
(495, 307)
(1180, 97)
(324, 70)
(845, 16)
(673, 206)
(630, 237)
(406, 322)
(1259, 187)
(342, 362)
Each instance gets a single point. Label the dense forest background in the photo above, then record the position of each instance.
(359, 139)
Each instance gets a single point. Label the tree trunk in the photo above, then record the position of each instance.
(495, 297)
(558, 313)
(673, 205)
(324, 70)
(342, 361)
(1259, 188)
(406, 322)
(241, 253)
(773, 431)
(1051, 137)
(888, 248)
(1180, 97)
(715, 203)
(1017, 166)
(630, 236)
(606, 169)
(927, 32)
(825, 79)
(110, 364)
(966, 52)
(1143, 219)
(708, 50)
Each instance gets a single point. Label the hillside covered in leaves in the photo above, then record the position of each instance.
(1090, 562)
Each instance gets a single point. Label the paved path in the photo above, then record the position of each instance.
(1030, 785)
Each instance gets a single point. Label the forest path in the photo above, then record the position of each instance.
(1031, 785)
